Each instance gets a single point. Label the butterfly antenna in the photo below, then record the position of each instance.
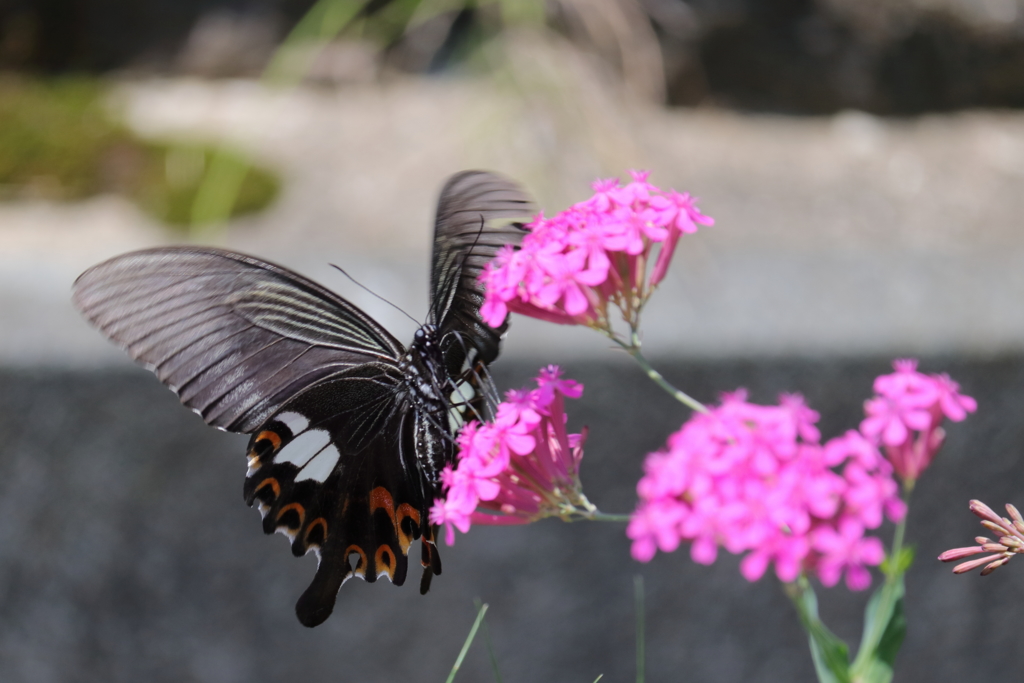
(489, 392)
(467, 404)
(361, 285)
(454, 387)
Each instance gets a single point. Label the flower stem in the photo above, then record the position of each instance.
(829, 653)
(633, 348)
(585, 510)
(638, 597)
(660, 380)
(893, 572)
(469, 641)
(596, 516)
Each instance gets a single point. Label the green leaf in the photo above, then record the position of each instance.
(903, 561)
(324, 20)
(892, 639)
(875, 672)
(830, 654)
(523, 12)
(883, 634)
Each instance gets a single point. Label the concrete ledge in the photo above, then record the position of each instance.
(127, 553)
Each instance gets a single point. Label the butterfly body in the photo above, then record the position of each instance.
(349, 430)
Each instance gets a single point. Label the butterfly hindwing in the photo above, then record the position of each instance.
(339, 470)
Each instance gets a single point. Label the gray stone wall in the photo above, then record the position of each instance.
(127, 553)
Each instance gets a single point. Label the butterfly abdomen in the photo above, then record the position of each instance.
(427, 383)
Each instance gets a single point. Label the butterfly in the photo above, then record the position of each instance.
(349, 429)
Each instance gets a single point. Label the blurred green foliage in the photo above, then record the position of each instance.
(58, 141)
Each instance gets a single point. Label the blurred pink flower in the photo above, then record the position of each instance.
(519, 468)
(844, 547)
(755, 480)
(905, 417)
(571, 266)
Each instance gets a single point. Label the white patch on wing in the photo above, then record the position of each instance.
(470, 359)
(264, 509)
(464, 393)
(303, 447)
(295, 422)
(320, 467)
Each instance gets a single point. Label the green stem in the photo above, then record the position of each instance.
(660, 380)
(596, 516)
(795, 592)
(469, 641)
(487, 640)
(893, 571)
(829, 653)
(633, 349)
(638, 596)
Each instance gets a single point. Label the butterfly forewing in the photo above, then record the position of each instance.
(233, 336)
(478, 213)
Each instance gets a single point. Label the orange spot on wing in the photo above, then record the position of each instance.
(270, 436)
(385, 567)
(360, 569)
(425, 553)
(319, 521)
(381, 498)
(405, 511)
(298, 508)
(272, 483)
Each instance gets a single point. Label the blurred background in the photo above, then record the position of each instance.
(864, 160)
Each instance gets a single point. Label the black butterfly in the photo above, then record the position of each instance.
(350, 430)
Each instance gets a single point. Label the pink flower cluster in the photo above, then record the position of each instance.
(905, 417)
(755, 479)
(570, 266)
(519, 468)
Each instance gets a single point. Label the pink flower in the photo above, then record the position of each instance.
(520, 468)
(1010, 535)
(787, 551)
(679, 212)
(846, 548)
(952, 403)
(756, 481)
(905, 417)
(655, 528)
(596, 253)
